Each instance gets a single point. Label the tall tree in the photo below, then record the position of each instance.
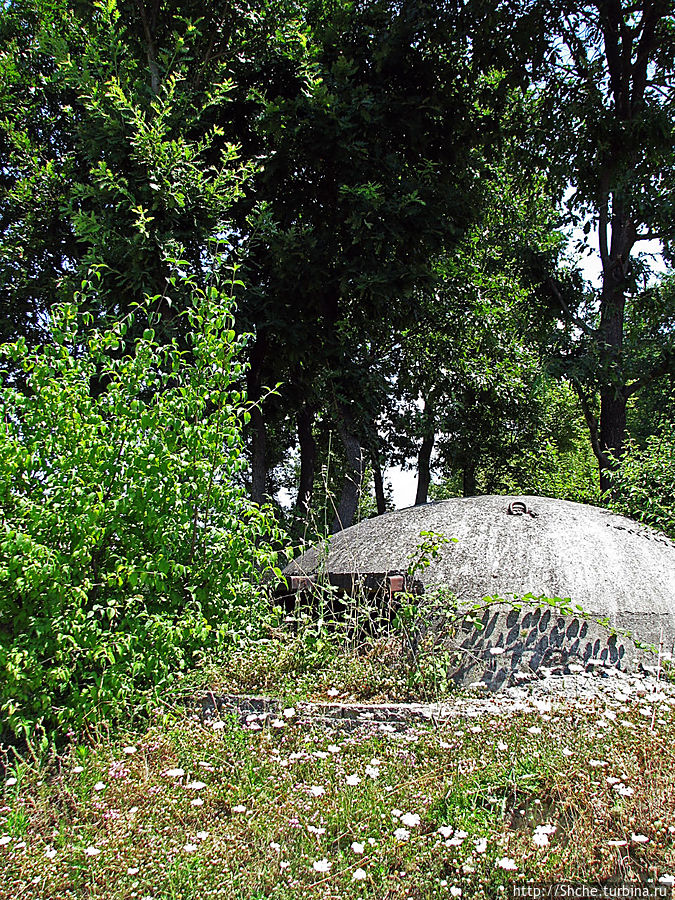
(370, 174)
(468, 365)
(119, 129)
(606, 126)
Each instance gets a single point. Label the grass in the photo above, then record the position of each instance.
(273, 808)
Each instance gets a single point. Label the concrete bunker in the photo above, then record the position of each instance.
(619, 577)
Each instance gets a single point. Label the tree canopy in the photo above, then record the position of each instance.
(408, 192)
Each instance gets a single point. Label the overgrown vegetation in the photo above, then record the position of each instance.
(644, 481)
(129, 547)
(414, 193)
(408, 190)
(272, 807)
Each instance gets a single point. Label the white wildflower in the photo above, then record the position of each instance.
(505, 863)
(410, 819)
(321, 865)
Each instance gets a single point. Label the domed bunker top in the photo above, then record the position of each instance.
(611, 566)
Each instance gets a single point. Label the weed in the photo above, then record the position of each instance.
(272, 808)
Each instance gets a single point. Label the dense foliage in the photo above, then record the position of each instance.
(606, 103)
(128, 546)
(645, 481)
(409, 192)
(398, 184)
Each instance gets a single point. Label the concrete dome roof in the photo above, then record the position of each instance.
(610, 565)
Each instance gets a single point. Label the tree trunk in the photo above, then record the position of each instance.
(613, 397)
(629, 54)
(353, 482)
(258, 456)
(305, 420)
(380, 499)
(612, 434)
(469, 479)
(148, 20)
(424, 470)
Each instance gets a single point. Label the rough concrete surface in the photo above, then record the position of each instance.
(613, 689)
(508, 546)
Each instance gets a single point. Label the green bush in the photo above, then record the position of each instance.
(128, 547)
(643, 484)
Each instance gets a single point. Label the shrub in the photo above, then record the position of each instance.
(643, 484)
(128, 547)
